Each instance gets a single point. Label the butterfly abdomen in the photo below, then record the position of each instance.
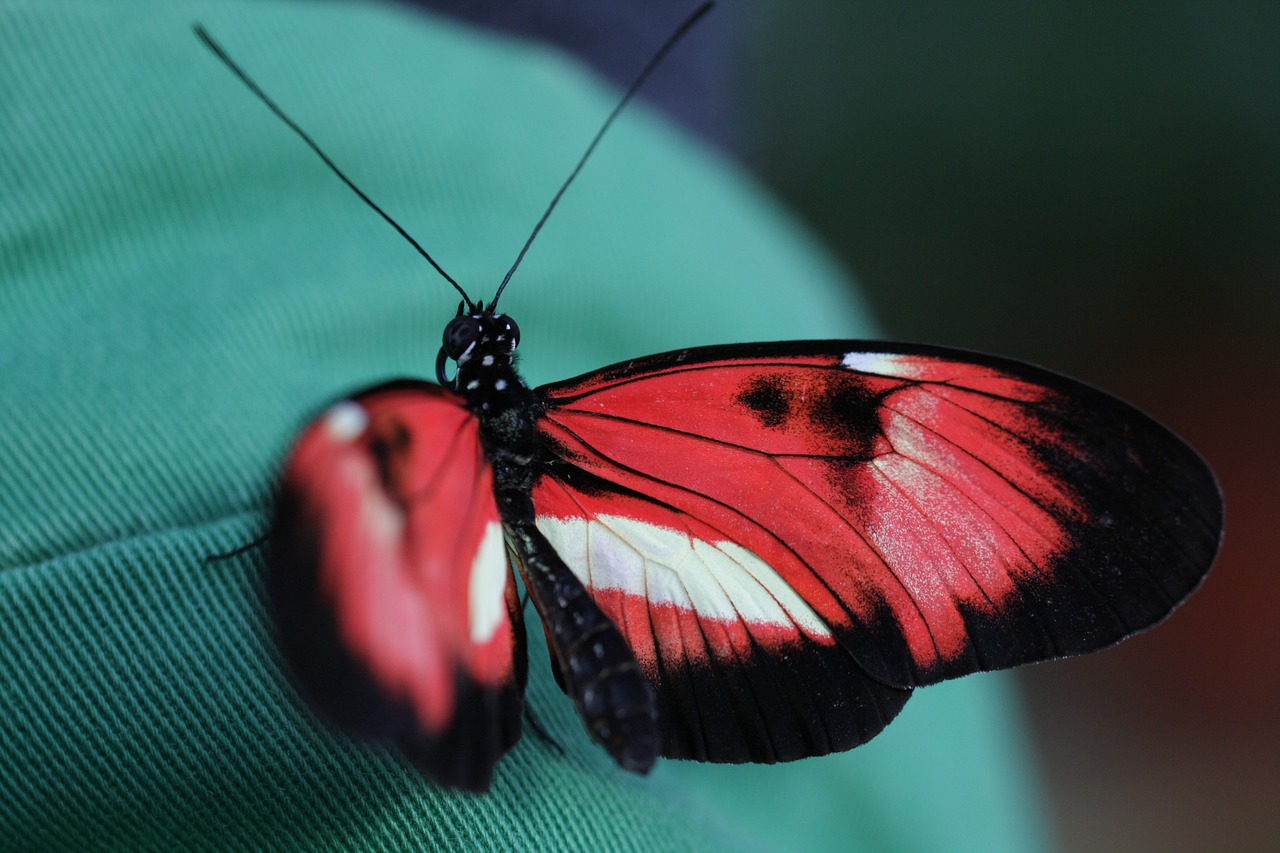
(595, 666)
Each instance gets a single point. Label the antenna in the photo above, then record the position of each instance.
(635, 86)
(653, 63)
(262, 96)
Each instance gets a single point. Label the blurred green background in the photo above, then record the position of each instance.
(1094, 187)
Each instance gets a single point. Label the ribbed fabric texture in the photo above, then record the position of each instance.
(183, 284)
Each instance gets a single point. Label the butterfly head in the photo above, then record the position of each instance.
(478, 341)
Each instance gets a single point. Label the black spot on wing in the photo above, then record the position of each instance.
(848, 412)
(836, 405)
(768, 398)
(389, 442)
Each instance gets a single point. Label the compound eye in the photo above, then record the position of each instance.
(511, 334)
(460, 334)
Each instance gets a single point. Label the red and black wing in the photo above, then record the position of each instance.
(792, 536)
(388, 575)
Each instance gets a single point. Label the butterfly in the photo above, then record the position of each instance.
(748, 553)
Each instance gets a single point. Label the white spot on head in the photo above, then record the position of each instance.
(487, 584)
(487, 361)
(500, 385)
(466, 354)
(345, 421)
(473, 384)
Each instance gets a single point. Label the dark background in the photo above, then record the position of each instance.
(1094, 187)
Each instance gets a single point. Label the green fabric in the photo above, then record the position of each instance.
(182, 283)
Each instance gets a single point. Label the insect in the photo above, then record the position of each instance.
(738, 553)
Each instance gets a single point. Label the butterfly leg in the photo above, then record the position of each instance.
(538, 729)
(596, 666)
(222, 556)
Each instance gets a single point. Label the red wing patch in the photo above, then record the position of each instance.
(939, 512)
(389, 577)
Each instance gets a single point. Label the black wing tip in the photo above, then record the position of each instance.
(775, 707)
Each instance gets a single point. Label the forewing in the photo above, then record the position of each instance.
(388, 578)
(774, 518)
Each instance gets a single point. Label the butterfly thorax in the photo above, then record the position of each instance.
(482, 344)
